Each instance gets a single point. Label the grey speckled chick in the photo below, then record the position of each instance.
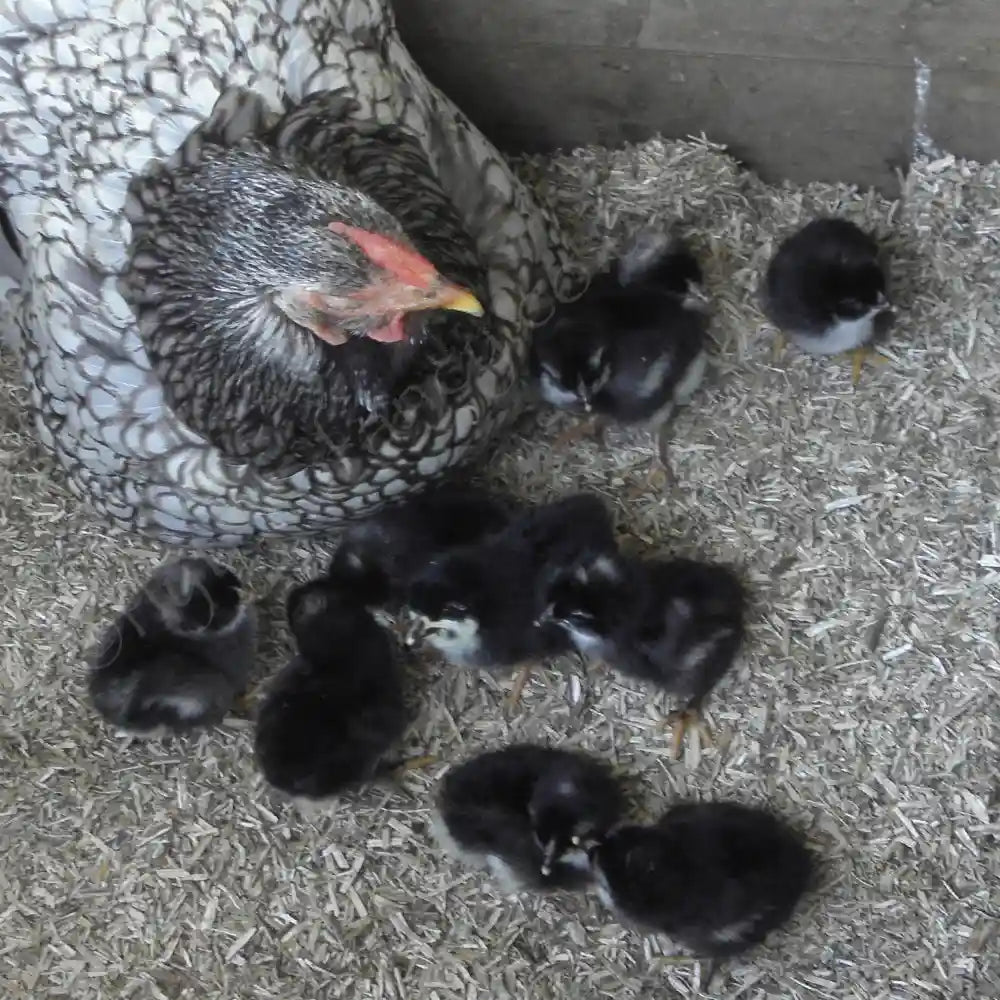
(826, 288)
(179, 655)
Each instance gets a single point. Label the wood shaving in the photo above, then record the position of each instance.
(169, 870)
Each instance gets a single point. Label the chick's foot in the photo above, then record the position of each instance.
(660, 474)
(680, 722)
(593, 428)
(413, 764)
(858, 358)
(778, 347)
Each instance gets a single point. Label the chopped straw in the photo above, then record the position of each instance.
(864, 708)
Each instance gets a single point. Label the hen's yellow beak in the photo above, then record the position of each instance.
(460, 300)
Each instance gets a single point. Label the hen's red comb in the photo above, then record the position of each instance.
(400, 261)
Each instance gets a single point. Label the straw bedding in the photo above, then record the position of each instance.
(864, 708)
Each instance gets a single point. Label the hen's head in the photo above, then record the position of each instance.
(365, 284)
(249, 246)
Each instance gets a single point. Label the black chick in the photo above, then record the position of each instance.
(333, 712)
(525, 813)
(377, 557)
(826, 288)
(179, 655)
(676, 623)
(633, 347)
(479, 605)
(717, 877)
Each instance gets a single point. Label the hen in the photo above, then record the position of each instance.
(224, 342)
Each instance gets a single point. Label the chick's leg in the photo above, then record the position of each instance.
(858, 358)
(660, 473)
(243, 705)
(399, 768)
(514, 696)
(681, 720)
(779, 345)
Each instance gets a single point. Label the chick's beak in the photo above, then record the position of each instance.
(414, 631)
(549, 857)
(457, 299)
(546, 615)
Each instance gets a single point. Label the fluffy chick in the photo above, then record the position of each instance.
(377, 557)
(179, 655)
(633, 347)
(826, 288)
(478, 605)
(334, 711)
(523, 812)
(718, 877)
(676, 623)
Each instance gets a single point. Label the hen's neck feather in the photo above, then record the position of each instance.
(208, 257)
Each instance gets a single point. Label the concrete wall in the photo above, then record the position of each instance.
(799, 89)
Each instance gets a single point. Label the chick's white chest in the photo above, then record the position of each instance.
(691, 380)
(556, 395)
(603, 888)
(843, 335)
(586, 643)
(457, 640)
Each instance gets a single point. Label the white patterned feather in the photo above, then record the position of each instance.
(90, 95)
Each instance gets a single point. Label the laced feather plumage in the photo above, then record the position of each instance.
(201, 447)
